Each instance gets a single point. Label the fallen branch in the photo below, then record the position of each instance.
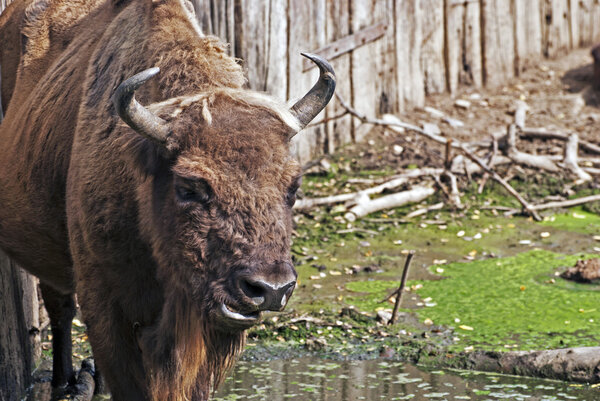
(567, 203)
(543, 134)
(571, 159)
(536, 161)
(490, 164)
(425, 210)
(367, 206)
(409, 258)
(506, 185)
(357, 230)
(521, 114)
(328, 200)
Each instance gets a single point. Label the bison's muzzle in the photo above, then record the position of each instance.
(259, 289)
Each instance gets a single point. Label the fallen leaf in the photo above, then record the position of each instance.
(465, 327)
(461, 233)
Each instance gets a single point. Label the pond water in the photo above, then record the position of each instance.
(322, 380)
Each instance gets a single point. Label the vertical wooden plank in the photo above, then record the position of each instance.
(556, 27)
(432, 46)
(528, 33)
(584, 20)
(574, 29)
(276, 79)
(374, 80)
(455, 24)
(339, 131)
(254, 24)
(498, 42)
(408, 53)
(595, 16)
(306, 32)
(472, 64)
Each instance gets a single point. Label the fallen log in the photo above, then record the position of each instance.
(570, 161)
(509, 147)
(569, 364)
(328, 200)
(367, 206)
(567, 203)
(541, 133)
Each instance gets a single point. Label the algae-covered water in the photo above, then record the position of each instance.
(322, 380)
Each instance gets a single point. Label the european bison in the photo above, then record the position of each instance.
(171, 221)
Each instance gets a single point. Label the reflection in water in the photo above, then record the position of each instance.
(321, 380)
(312, 379)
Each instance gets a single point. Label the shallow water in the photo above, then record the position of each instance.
(322, 380)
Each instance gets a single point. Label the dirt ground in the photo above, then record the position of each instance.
(558, 94)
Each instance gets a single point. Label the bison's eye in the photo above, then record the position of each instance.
(290, 197)
(192, 190)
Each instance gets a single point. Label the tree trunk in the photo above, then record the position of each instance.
(19, 329)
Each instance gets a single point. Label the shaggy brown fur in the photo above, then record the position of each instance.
(90, 205)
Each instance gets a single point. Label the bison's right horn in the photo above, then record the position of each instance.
(134, 114)
(320, 94)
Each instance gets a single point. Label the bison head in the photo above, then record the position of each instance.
(222, 193)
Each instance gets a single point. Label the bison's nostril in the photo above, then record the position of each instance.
(254, 291)
(265, 295)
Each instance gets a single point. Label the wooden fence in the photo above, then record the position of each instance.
(390, 54)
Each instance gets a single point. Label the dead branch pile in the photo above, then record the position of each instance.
(462, 162)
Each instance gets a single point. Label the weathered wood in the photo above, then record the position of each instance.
(528, 33)
(584, 18)
(498, 42)
(595, 17)
(347, 43)
(339, 131)
(432, 51)
(408, 52)
(306, 32)
(463, 44)
(374, 85)
(555, 30)
(18, 331)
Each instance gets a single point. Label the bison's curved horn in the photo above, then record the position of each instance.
(134, 114)
(317, 98)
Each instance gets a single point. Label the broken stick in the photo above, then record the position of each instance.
(401, 287)
(506, 185)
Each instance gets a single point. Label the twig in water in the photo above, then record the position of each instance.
(402, 285)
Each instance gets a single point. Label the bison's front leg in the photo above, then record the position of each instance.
(61, 309)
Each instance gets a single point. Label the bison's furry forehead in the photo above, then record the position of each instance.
(236, 140)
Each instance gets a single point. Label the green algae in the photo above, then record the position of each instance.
(508, 303)
(575, 220)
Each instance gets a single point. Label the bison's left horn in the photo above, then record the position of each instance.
(134, 114)
(317, 98)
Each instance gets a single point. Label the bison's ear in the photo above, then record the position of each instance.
(137, 116)
(320, 94)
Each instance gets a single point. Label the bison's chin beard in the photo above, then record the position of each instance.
(195, 357)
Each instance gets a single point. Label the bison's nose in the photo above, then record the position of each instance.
(269, 294)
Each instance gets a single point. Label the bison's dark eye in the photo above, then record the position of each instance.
(290, 197)
(192, 190)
